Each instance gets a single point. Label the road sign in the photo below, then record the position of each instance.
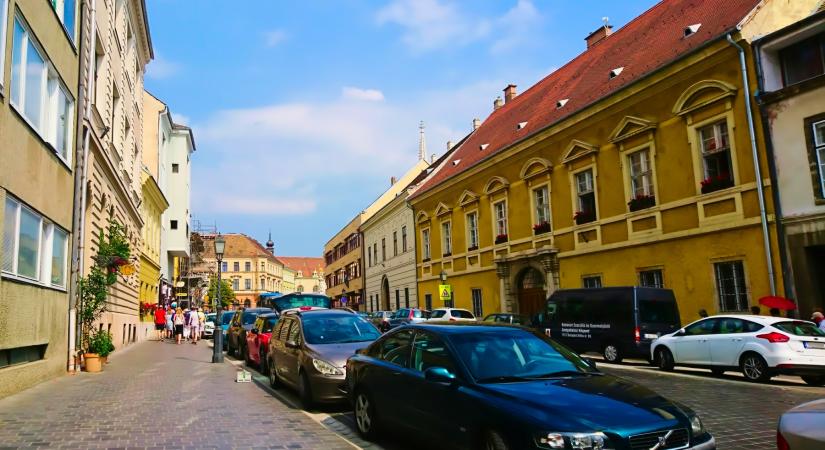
(445, 291)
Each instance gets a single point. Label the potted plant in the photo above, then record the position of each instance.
(582, 217)
(716, 183)
(501, 238)
(641, 201)
(100, 344)
(541, 228)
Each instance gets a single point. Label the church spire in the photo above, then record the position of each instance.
(422, 143)
(270, 246)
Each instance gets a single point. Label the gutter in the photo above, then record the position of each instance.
(760, 189)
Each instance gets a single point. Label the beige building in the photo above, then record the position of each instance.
(792, 97)
(309, 273)
(119, 36)
(38, 110)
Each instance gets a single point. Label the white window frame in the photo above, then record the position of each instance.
(46, 124)
(654, 270)
(717, 137)
(478, 302)
(588, 189)
(499, 219)
(4, 16)
(739, 289)
(447, 237)
(596, 277)
(60, 9)
(819, 154)
(45, 247)
(645, 176)
(472, 229)
(425, 244)
(542, 211)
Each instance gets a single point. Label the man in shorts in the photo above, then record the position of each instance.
(160, 321)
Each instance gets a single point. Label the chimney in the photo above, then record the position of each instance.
(498, 103)
(432, 158)
(450, 145)
(596, 36)
(509, 92)
(476, 123)
(392, 181)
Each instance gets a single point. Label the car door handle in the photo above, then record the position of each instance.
(396, 373)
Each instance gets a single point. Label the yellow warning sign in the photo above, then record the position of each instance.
(445, 291)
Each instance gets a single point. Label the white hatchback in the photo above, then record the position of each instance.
(759, 346)
(452, 315)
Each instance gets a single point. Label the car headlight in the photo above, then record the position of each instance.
(325, 368)
(577, 441)
(696, 426)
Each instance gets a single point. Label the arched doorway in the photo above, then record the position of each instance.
(531, 291)
(385, 294)
(247, 303)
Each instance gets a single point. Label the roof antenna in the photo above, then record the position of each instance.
(606, 21)
(422, 144)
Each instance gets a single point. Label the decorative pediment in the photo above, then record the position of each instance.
(496, 184)
(442, 209)
(702, 94)
(578, 149)
(630, 126)
(534, 167)
(467, 198)
(422, 217)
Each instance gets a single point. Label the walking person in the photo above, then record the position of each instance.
(160, 322)
(201, 323)
(170, 327)
(194, 325)
(178, 319)
(187, 325)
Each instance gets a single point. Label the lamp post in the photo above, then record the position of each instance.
(443, 276)
(217, 350)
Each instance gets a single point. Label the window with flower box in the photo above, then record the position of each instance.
(716, 157)
(34, 249)
(500, 211)
(446, 238)
(472, 231)
(641, 181)
(541, 203)
(586, 198)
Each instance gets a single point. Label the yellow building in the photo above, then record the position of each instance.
(630, 165)
(154, 203)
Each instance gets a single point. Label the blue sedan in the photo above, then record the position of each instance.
(502, 387)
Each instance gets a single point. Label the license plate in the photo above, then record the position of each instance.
(651, 336)
(819, 345)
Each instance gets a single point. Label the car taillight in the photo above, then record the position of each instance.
(774, 337)
(305, 308)
(781, 443)
(637, 335)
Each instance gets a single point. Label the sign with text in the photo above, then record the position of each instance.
(445, 291)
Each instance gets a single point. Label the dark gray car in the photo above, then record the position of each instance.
(408, 315)
(308, 351)
(241, 323)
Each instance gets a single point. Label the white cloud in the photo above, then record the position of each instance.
(354, 93)
(161, 68)
(180, 119)
(261, 205)
(516, 26)
(274, 37)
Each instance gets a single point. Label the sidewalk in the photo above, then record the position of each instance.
(157, 395)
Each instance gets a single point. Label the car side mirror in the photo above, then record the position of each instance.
(680, 333)
(439, 375)
(291, 344)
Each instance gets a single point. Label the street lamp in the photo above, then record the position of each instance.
(443, 276)
(217, 350)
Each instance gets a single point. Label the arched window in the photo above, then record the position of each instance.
(300, 288)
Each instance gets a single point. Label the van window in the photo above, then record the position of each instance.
(658, 311)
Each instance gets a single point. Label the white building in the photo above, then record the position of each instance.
(176, 220)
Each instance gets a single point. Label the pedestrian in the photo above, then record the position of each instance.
(775, 312)
(187, 325)
(201, 323)
(819, 319)
(703, 313)
(170, 327)
(177, 319)
(160, 322)
(194, 325)
(755, 310)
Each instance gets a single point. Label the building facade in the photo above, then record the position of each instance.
(342, 256)
(38, 114)
(561, 182)
(309, 273)
(152, 208)
(792, 101)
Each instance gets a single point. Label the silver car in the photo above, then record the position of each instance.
(801, 428)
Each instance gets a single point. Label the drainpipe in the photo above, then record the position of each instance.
(81, 169)
(757, 171)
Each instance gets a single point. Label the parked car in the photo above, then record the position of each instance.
(226, 319)
(236, 334)
(800, 428)
(381, 320)
(209, 325)
(257, 340)
(759, 346)
(615, 321)
(408, 315)
(299, 301)
(309, 349)
(505, 387)
(452, 315)
(515, 319)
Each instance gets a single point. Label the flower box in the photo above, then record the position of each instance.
(447, 254)
(717, 183)
(541, 228)
(472, 249)
(641, 202)
(582, 217)
(501, 238)
(425, 260)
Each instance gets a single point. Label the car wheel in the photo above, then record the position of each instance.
(814, 380)
(718, 371)
(664, 359)
(612, 354)
(494, 441)
(754, 368)
(305, 391)
(264, 362)
(274, 382)
(366, 421)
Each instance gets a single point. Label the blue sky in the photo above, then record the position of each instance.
(302, 111)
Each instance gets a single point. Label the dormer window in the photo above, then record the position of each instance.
(691, 29)
(483, 146)
(521, 125)
(561, 103)
(455, 163)
(615, 72)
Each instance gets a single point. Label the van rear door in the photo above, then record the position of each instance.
(658, 313)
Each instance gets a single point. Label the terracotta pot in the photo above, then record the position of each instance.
(92, 362)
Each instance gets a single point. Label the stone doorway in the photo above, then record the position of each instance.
(385, 294)
(531, 291)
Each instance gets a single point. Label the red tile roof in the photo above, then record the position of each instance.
(647, 43)
(305, 264)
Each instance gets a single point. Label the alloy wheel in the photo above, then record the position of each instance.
(362, 414)
(754, 368)
(611, 353)
(273, 377)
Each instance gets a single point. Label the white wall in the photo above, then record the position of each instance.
(178, 187)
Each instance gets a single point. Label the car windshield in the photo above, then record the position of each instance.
(516, 355)
(799, 328)
(438, 313)
(462, 313)
(417, 313)
(249, 317)
(327, 329)
(658, 311)
(269, 324)
(226, 317)
(210, 317)
(297, 301)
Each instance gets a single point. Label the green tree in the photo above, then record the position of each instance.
(227, 294)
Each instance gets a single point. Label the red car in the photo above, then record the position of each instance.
(257, 341)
